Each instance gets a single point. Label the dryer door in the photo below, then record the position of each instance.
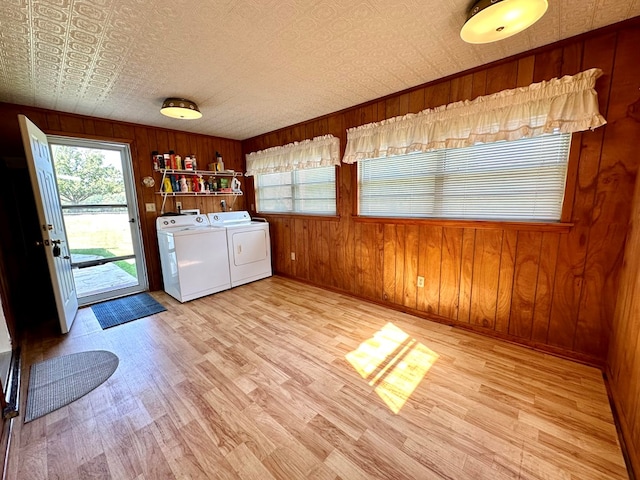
(249, 254)
(249, 246)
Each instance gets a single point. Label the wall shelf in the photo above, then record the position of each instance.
(209, 173)
(194, 194)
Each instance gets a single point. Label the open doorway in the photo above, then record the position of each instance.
(100, 212)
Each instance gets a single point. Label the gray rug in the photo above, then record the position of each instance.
(125, 309)
(59, 381)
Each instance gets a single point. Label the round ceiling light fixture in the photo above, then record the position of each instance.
(180, 108)
(492, 20)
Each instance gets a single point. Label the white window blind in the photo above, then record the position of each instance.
(310, 191)
(516, 180)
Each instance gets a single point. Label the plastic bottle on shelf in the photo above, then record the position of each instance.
(195, 185)
(183, 184)
(188, 163)
(220, 163)
(172, 160)
(194, 162)
(154, 159)
(179, 165)
(167, 187)
(201, 183)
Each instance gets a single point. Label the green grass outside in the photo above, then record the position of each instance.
(130, 268)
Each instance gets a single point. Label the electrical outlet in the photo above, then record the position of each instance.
(293, 255)
(179, 205)
(223, 205)
(420, 282)
(150, 207)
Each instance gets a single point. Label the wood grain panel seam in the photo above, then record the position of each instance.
(535, 291)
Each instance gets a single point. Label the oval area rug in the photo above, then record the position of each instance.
(59, 381)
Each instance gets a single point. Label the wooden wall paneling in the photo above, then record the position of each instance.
(400, 240)
(429, 266)
(368, 114)
(53, 121)
(148, 228)
(502, 77)
(367, 243)
(479, 86)
(450, 272)
(571, 178)
(320, 127)
(548, 65)
(618, 167)
(301, 248)
(286, 241)
(461, 88)
(324, 252)
(392, 107)
(525, 71)
(403, 104)
(89, 126)
(544, 288)
(573, 246)
(382, 110)
(466, 274)
(123, 131)
(71, 124)
(293, 233)
(313, 251)
(336, 256)
(505, 280)
(410, 274)
(437, 94)
(104, 128)
(282, 242)
(416, 100)
(486, 273)
(389, 263)
(361, 260)
(182, 146)
(346, 247)
(624, 353)
(379, 261)
(572, 253)
(525, 280)
(572, 58)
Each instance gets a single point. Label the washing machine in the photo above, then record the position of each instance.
(249, 245)
(194, 256)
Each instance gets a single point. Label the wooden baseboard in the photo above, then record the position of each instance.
(630, 453)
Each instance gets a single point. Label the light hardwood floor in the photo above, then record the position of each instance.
(277, 379)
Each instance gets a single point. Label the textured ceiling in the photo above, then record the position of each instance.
(251, 65)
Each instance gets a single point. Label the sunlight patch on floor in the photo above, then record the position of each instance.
(393, 363)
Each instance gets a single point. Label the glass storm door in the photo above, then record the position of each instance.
(100, 212)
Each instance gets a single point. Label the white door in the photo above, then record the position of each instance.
(54, 239)
(100, 213)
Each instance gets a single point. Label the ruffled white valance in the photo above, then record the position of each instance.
(320, 152)
(567, 104)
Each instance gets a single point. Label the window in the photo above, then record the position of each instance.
(310, 191)
(516, 180)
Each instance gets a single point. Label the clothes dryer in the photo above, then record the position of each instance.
(249, 245)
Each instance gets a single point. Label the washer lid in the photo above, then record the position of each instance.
(182, 222)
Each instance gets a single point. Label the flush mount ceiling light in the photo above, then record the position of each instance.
(492, 20)
(180, 108)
